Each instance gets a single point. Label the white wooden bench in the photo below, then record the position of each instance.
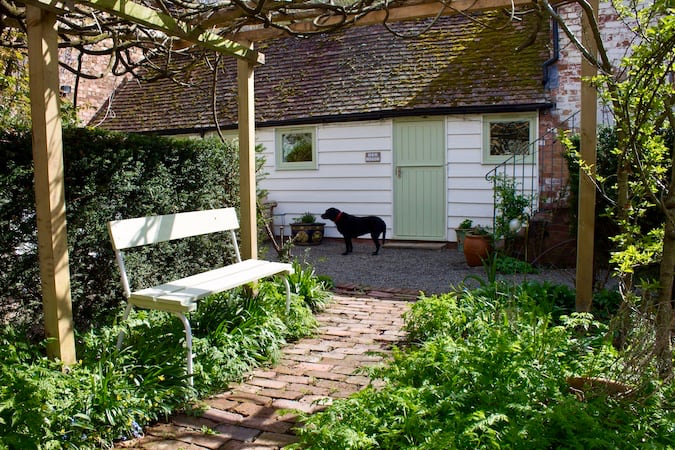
(181, 296)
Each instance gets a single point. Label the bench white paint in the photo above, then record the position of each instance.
(181, 296)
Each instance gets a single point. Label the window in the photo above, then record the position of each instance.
(296, 148)
(506, 135)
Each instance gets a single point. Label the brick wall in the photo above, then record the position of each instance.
(565, 91)
(91, 93)
(617, 38)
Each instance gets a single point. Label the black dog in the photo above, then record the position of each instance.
(351, 227)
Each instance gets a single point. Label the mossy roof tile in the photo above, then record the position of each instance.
(458, 63)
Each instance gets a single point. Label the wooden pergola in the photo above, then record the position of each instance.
(43, 47)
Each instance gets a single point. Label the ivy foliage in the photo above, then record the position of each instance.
(109, 176)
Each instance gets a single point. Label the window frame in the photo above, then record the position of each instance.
(296, 165)
(531, 117)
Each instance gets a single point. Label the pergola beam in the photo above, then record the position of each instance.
(586, 208)
(407, 11)
(156, 20)
(247, 179)
(50, 199)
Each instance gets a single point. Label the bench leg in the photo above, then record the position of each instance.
(120, 336)
(288, 295)
(188, 338)
(188, 344)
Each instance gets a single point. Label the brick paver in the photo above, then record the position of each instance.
(357, 329)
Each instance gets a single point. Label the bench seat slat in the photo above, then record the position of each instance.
(183, 294)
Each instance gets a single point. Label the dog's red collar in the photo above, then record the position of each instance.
(338, 216)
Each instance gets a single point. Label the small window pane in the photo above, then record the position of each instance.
(296, 147)
(509, 138)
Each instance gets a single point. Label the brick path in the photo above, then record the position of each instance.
(310, 374)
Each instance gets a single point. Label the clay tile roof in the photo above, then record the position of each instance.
(459, 65)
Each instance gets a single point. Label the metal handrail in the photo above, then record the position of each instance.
(551, 191)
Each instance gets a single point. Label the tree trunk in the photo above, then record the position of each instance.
(623, 200)
(664, 307)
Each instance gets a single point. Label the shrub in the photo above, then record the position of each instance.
(109, 176)
(510, 204)
(110, 394)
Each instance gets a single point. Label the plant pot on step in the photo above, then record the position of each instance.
(461, 233)
(305, 230)
(476, 248)
(465, 227)
(307, 233)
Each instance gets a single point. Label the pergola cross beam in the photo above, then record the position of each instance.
(160, 21)
(401, 11)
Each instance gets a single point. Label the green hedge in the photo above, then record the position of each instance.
(108, 176)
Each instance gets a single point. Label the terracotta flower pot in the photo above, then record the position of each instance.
(476, 249)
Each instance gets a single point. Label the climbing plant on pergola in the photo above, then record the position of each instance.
(145, 34)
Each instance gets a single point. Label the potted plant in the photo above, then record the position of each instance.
(464, 227)
(512, 208)
(477, 245)
(305, 230)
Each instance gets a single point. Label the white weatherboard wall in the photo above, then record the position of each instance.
(469, 193)
(344, 180)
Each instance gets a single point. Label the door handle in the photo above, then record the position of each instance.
(398, 172)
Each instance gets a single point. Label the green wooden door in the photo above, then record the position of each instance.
(419, 179)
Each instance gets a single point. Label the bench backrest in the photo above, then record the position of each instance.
(153, 229)
(128, 233)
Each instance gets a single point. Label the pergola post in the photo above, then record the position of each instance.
(586, 212)
(49, 184)
(247, 181)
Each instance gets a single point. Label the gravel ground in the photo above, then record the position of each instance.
(431, 271)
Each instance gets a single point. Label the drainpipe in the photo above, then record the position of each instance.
(556, 53)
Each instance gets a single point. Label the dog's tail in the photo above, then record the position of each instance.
(384, 233)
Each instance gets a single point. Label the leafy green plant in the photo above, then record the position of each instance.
(481, 230)
(110, 395)
(466, 224)
(492, 372)
(498, 263)
(509, 265)
(490, 266)
(307, 217)
(104, 397)
(510, 204)
(308, 286)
